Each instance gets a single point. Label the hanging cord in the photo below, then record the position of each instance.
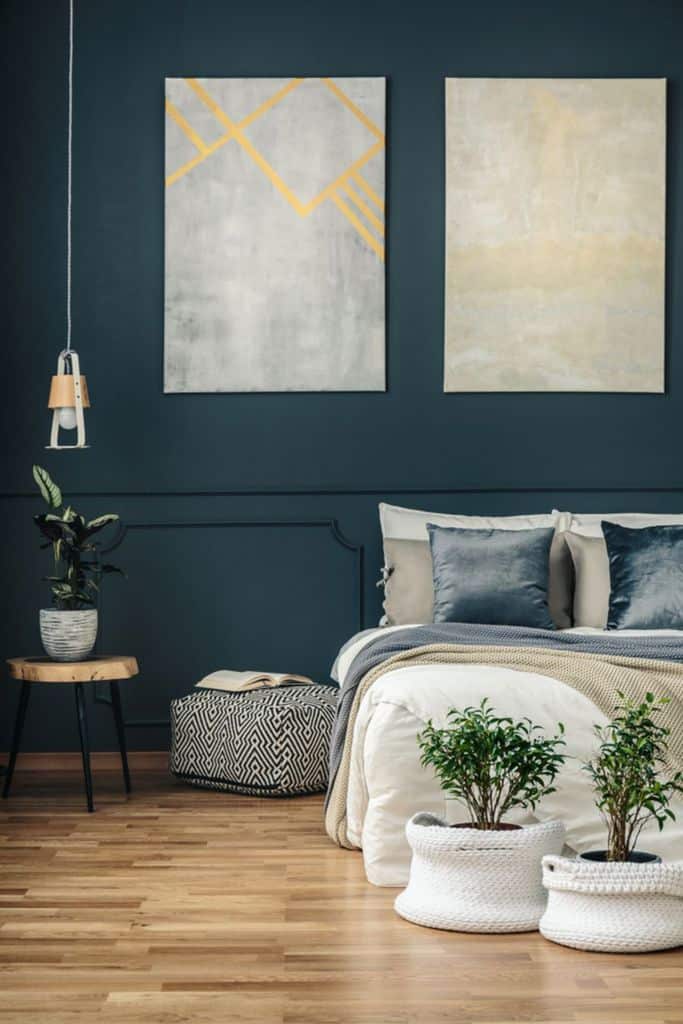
(68, 176)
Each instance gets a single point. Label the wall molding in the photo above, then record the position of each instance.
(332, 525)
(376, 492)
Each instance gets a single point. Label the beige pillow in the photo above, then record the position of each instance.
(591, 579)
(409, 590)
(560, 582)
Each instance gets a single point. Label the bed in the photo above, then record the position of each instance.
(390, 687)
(549, 616)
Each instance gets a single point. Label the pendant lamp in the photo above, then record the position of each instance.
(69, 390)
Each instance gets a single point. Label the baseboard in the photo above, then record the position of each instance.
(139, 760)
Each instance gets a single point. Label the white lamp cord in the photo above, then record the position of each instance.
(68, 178)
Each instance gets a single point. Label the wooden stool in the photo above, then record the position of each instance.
(100, 669)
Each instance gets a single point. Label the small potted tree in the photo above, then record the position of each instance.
(627, 779)
(621, 899)
(483, 875)
(69, 630)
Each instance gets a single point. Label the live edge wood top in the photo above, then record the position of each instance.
(42, 670)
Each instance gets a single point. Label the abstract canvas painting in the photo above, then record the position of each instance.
(274, 245)
(555, 225)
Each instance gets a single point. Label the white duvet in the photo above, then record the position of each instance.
(388, 784)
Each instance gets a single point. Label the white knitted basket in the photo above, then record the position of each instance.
(613, 908)
(467, 880)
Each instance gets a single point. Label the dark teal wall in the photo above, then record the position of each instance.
(280, 595)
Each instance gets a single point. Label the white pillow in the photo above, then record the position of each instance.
(411, 524)
(589, 525)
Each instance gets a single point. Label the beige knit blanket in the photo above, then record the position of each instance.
(599, 677)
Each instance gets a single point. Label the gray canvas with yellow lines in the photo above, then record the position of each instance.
(274, 246)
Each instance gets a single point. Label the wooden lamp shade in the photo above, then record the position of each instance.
(68, 391)
(63, 392)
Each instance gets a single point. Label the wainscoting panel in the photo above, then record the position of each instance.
(276, 595)
(280, 594)
(274, 580)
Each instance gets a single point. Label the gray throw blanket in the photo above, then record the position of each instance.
(665, 648)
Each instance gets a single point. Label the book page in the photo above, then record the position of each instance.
(236, 682)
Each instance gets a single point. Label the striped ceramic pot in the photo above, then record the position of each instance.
(68, 636)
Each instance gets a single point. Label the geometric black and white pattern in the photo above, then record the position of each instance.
(269, 742)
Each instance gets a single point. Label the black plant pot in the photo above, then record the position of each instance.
(635, 857)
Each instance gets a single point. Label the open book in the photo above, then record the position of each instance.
(235, 682)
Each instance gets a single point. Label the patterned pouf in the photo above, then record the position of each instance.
(269, 742)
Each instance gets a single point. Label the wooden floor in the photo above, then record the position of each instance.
(182, 905)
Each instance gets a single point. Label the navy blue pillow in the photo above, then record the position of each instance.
(646, 576)
(497, 577)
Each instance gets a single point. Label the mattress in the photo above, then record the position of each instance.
(387, 783)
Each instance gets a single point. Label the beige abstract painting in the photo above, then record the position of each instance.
(555, 234)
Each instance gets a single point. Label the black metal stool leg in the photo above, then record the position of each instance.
(16, 737)
(120, 731)
(85, 747)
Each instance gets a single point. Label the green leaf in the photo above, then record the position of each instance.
(95, 525)
(54, 528)
(68, 533)
(48, 488)
(101, 521)
(629, 790)
(490, 763)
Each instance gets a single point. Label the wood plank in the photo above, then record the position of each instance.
(44, 670)
(177, 904)
(100, 760)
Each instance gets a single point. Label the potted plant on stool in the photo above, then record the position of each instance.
(69, 630)
(621, 899)
(484, 875)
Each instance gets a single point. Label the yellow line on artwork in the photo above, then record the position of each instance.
(364, 209)
(369, 191)
(338, 182)
(187, 128)
(279, 95)
(218, 143)
(359, 226)
(363, 118)
(235, 130)
(210, 103)
(199, 159)
(261, 162)
(270, 173)
(208, 150)
(182, 171)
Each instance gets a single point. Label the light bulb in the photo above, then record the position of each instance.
(67, 417)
